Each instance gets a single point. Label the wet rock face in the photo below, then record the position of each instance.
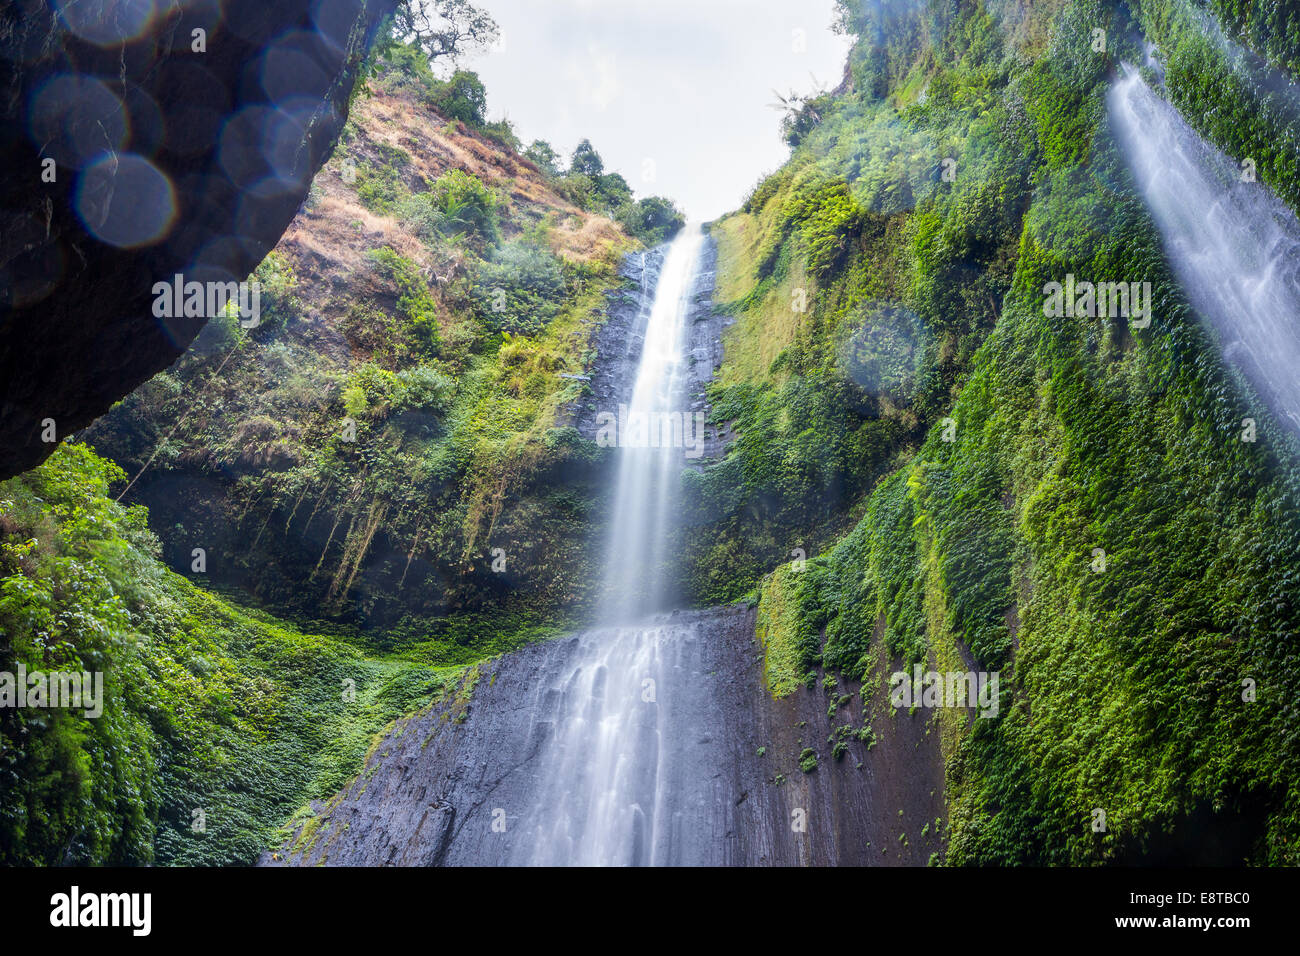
(709, 765)
(619, 340)
(143, 140)
(704, 352)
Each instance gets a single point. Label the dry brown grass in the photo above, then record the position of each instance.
(328, 241)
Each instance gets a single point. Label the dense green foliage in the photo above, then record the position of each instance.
(652, 219)
(1022, 448)
(520, 288)
(457, 205)
(1272, 27)
(871, 281)
(217, 723)
(414, 303)
(959, 479)
(386, 448)
(460, 97)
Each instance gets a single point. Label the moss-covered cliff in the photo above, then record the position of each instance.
(961, 460)
(217, 723)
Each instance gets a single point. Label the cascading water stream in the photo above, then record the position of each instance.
(604, 766)
(653, 739)
(635, 581)
(1234, 246)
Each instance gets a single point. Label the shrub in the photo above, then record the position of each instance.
(414, 301)
(458, 204)
(520, 288)
(462, 97)
(808, 760)
(423, 387)
(613, 191)
(355, 402)
(586, 161)
(652, 220)
(379, 184)
(276, 278)
(577, 189)
(543, 154)
(828, 219)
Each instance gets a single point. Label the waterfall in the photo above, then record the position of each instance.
(1234, 246)
(611, 717)
(651, 739)
(651, 433)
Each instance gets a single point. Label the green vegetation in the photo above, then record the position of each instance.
(217, 723)
(380, 460)
(1272, 29)
(357, 462)
(404, 69)
(462, 97)
(786, 630)
(808, 760)
(862, 282)
(414, 303)
(456, 205)
(956, 456)
(520, 289)
(924, 467)
(385, 448)
(651, 219)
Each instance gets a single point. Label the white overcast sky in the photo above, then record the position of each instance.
(679, 87)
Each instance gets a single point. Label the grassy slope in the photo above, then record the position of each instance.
(1122, 690)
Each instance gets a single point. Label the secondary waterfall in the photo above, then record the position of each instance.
(607, 758)
(1234, 246)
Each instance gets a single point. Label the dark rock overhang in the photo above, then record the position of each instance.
(181, 136)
